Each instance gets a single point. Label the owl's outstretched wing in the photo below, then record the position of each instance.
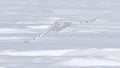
(41, 34)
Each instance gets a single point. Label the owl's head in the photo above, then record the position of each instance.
(59, 23)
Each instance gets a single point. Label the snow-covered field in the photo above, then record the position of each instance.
(94, 45)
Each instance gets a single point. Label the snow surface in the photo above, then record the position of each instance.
(94, 45)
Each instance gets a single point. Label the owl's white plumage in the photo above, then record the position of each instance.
(60, 24)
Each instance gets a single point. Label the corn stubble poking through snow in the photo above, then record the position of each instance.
(81, 45)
